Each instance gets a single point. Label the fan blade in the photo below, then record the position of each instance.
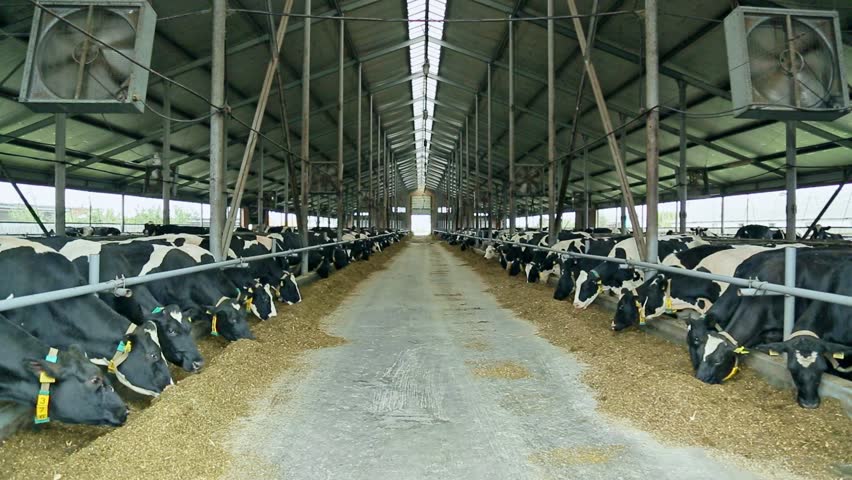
(767, 38)
(114, 30)
(119, 66)
(761, 64)
(812, 92)
(52, 77)
(775, 88)
(99, 83)
(55, 52)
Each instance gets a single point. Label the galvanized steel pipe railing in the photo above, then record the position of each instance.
(757, 285)
(54, 295)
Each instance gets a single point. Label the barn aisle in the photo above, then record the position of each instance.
(436, 381)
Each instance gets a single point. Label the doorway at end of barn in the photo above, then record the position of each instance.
(421, 225)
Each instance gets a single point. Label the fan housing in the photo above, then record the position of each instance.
(69, 71)
(786, 64)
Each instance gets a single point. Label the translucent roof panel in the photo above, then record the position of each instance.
(424, 22)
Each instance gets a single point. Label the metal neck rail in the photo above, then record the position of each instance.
(759, 287)
(112, 285)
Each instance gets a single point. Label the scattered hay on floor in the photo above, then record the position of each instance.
(182, 434)
(649, 382)
(506, 370)
(569, 456)
(477, 345)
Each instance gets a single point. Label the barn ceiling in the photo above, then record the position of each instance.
(428, 114)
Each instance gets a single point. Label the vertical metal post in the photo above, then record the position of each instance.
(490, 179)
(339, 133)
(370, 201)
(306, 133)
(287, 159)
(165, 161)
(217, 130)
(681, 173)
(791, 180)
(722, 224)
(789, 281)
(553, 223)
(476, 198)
(386, 171)
(123, 226)
(511, 127)
(586, 194)
(94, 269)
(261, 220)
(358, 195)
(59, 174)
(652, 147)
(467, 168)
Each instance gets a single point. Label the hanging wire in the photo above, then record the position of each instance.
(443, 20)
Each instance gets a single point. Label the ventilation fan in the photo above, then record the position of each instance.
(786, 64)
(70, 71)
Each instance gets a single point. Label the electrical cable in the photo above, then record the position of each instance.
(431, 20)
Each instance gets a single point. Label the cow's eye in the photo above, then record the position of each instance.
(96, 380)
(153, 356)
(171, 332)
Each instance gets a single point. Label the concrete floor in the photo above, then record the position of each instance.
(401, 401)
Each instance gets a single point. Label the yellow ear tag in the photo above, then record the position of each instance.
(213, 330)
(600, 287)
(733, 372)
(128, 346)
(42, 403)
(641, 313)
(668, 304)
(838, 355)
(45, 378)
(250, 290)
(111, 367)
(249, 302)
(741, 350)
(773, 353)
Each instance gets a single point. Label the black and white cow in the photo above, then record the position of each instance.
(609, 276)
(173, 325)
(80, 392)
(760, 232)
(572, 267)
(745, 321)
(822, 233)
(152, 229)
(546, 263)
(87, 321)
(668, 292)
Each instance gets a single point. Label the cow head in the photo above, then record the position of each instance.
(288, 290)
(718, 360)
(806, 360)
(81, 393)
(515, 268)
(655, 295)
(565, 285)
(589, 286)
(257, 298)
(490, 252)
(533, 274)
(628, 312)
(341, 259)
(145, 370)
(174, 329)
(230, 320)
(697, 330)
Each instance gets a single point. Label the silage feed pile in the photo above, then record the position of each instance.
(181, 434)
(649, 383)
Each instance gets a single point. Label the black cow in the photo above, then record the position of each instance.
(152, 229)
(80, 392)
(761, 232)
(85, 320)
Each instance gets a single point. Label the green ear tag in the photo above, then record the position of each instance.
(157, 310)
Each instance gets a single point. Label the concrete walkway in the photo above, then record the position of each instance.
(433, 384)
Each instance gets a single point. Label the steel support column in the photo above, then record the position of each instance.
(490, 179)
(165, 161)
(681, 173)
(553, 224)
(356, 220)
(59, 174)
(217, 130)
(652, 147)
(791, 180)
(511, 128)
(261, 220)
(305, 152)
(476, 198)
(341, 54)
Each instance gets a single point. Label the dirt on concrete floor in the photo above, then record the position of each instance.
(649, 382)
(181, 434)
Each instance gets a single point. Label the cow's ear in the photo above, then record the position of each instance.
(40, 365)
(625, 291)
(775, 348)
(836, 350)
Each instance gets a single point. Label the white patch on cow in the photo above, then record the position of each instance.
(177, 315)
(254, 311)
(236, 306)
(490, 252)
(80, 248)
(265, 242)
(87, 231)
(275, 236)
(156, 258)
(711, 345)
(249, 243)
(8, 243)
(153, 334)
(197, 253)
(806, 361)
(11, 296)
(581, 278)
(231, 254)
(268, 290)
(298, 292)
